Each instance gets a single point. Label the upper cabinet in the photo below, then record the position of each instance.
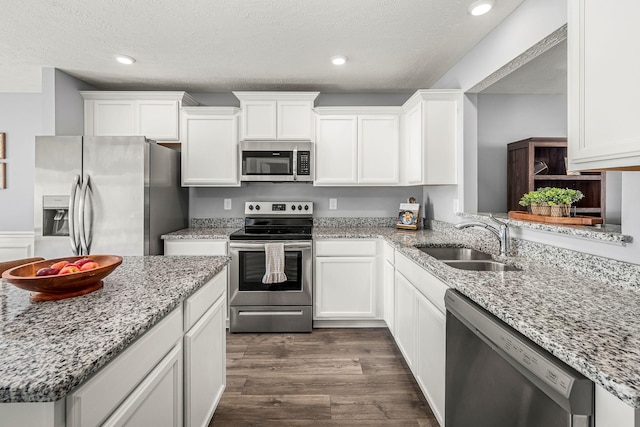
(210, 146)
(432, 137)
(603, 101)
(155, 115)
(357, 146)
(277, 115)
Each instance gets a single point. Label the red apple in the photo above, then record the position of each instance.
(58, 265)
(47, 271)
(82, 262)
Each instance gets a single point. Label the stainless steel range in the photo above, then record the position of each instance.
(276, 238)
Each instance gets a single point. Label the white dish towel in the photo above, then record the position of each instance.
(274, 263)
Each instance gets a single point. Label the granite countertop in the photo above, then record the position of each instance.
(200, 233)
(49, 348)
(592, 326)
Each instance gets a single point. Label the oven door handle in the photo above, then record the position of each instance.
(260, 246)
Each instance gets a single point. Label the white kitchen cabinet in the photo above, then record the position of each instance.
(205, 368)
(405, 319)
(432, 137)
(157, 401)
(603, 100)
(152, 114)
(210, 147)
(346, 280)
(613, 412)
(388, 284)
(210, 247)
(336, 150)
(277, 115)
(431, 356)
(357, 146)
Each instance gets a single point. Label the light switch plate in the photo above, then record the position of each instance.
(227, 204)
(333, 204)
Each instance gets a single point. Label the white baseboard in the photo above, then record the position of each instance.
(16, 245)
(349, 324)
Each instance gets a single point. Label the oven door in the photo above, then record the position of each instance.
(248, 268)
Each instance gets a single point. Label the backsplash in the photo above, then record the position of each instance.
(217, 222)
(354, 222)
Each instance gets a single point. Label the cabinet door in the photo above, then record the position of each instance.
(210, 150)
(259, 120)
(114, 118)
(441, 138)
(205, 365)
(430, 359)
(389, 272)
(158, 120)
(413, 145)
(209, 247)
(336, 150)
(157, 401)
(378, 149)
(405, 323)
(603, 107)
(345, 288)
(295, 120)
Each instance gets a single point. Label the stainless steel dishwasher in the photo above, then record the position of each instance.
(496, 377)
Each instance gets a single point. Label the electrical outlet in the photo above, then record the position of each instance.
(227, 204)
(333, 204)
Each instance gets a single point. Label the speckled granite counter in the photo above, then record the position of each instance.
(200, 233)
(49, 348)
(589, 324)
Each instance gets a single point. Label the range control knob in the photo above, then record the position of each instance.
(293, 207)
(299, 207)
(250, 207)
(306, 207)
(257, 207)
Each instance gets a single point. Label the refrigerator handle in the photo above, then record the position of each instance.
(74, 237)
(85, 237)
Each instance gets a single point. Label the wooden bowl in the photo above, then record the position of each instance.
(47, 288)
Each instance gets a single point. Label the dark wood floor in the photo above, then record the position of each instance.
(330, 377)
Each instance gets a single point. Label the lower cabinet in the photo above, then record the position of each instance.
(420, 326)
(205, 376)
(158, 400)
(173, 375)
(193, 247)
(346, 280)
(388, 285)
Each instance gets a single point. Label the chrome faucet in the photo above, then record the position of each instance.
(502, 231)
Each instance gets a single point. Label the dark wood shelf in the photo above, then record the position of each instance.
(521, 158)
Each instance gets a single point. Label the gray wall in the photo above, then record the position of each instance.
(352, 201)
(323, 100)
(21, 120)
(62, 106)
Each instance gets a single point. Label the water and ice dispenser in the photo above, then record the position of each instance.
(55, 215)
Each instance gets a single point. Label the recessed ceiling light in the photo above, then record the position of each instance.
(338, 60)
(480, 7)
(124, 59)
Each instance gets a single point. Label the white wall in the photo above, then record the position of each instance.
(20, 119)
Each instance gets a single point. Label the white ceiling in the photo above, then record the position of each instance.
(543, 75)
(225, 45)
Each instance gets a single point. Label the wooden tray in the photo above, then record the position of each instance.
(562, 220)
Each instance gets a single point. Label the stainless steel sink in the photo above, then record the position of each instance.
(481, 265)
(454, 253)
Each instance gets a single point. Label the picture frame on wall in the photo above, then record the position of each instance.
(3, 176)
(2, 145)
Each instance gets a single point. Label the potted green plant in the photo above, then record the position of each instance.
(535, 202)
(560, 199)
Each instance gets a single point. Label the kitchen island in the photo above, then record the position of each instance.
(50, 350)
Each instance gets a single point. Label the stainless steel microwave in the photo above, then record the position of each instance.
(276, 161)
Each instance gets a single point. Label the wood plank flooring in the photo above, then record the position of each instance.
(330, 377)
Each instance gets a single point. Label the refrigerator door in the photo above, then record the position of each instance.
(58, 161)
(115, 196)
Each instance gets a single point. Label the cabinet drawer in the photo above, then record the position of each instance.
(90, 404)
(198, 303)
(195, 247)
(426, 283)
(346, 248)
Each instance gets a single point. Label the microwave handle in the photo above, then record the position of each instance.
(295, 164)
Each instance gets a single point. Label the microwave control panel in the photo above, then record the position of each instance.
(304, 158)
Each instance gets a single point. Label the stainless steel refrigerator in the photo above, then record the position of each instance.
(105, 195)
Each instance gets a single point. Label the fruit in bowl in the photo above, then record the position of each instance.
(63, 277)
